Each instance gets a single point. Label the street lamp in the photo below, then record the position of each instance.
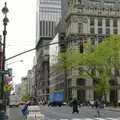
(14, 62)
(5, 21)
(3, 44)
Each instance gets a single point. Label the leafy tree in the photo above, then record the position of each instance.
(97, 63)
(23, 93)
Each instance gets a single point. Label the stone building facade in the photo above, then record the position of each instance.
(90, 20)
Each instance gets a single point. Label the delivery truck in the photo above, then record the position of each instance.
(13, 100)
(56, 98)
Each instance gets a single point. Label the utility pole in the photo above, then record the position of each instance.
(63, 48)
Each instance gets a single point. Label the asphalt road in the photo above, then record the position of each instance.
(14, 113)
(65, 113)
(59, 113)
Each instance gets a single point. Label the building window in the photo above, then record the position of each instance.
(49, 28)
(80, 27)
(99, 30)
(100, 22)
(93, 41)
(92, 20)
(107, 30)
(115, 31)
(107, 22)
(43, 28)
(46, 28)
(100, 40)
(79, 1)
(115, 23)
(92, 30)
(40, 28)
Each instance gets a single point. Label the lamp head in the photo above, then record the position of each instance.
(5, 20)
(5, 10)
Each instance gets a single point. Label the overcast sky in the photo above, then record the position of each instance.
(21, 35)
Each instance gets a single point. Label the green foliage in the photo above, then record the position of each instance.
(23, 93)
(96, 62)
(25, 97)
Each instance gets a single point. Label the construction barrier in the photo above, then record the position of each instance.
(34, 113)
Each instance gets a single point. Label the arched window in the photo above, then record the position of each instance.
(78, 1)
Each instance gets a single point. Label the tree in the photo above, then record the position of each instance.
(23, 92)
(109, 51)
(63, 65)
(97, 63)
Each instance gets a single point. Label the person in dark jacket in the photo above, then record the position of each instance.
(75, 106)
(97, 105)
(24, 110)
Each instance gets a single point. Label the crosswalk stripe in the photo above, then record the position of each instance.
(92, 119)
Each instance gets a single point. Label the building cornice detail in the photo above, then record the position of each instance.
(94, 13)
(77, 36)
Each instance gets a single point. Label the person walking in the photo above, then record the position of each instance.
(97, 106)
(24, 110)
(75, 106)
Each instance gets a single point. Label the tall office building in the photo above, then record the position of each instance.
(48, 14)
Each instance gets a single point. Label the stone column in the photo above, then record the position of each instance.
(89, 92)
(118, 26)
(104, 26)
(96, 26)
(118, 81)
(74, 90)
(111, 26)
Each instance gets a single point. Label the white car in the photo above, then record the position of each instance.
(14, 101)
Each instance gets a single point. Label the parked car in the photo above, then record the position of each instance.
(14, 100)
(55, 103)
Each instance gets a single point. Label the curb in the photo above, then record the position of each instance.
(112, 109)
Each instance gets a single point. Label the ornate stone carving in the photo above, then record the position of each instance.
(79, 19)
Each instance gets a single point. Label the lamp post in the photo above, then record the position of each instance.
(3, 44)
(14, 62)
(5, 21)
(63, 46)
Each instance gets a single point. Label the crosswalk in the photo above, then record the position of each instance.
(92, 119)
(35, 114)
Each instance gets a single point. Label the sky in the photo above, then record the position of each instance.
(21, 35)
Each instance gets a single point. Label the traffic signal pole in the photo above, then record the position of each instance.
(24, 52)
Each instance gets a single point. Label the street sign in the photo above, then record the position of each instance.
(4, 72)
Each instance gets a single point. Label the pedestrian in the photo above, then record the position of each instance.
(92, 103)
(75, 106)
(24, 110)
(97, 106)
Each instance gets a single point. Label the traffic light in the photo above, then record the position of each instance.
(81, 46)
(62, 42)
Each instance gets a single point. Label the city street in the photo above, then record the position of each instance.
(57, 113)
(65, 113)
(14, 113)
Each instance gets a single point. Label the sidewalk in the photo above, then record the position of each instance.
(117, 109)
(3, 115)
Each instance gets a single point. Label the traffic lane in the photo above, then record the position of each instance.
(57, 113)
(84, 112)
(15, 113)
